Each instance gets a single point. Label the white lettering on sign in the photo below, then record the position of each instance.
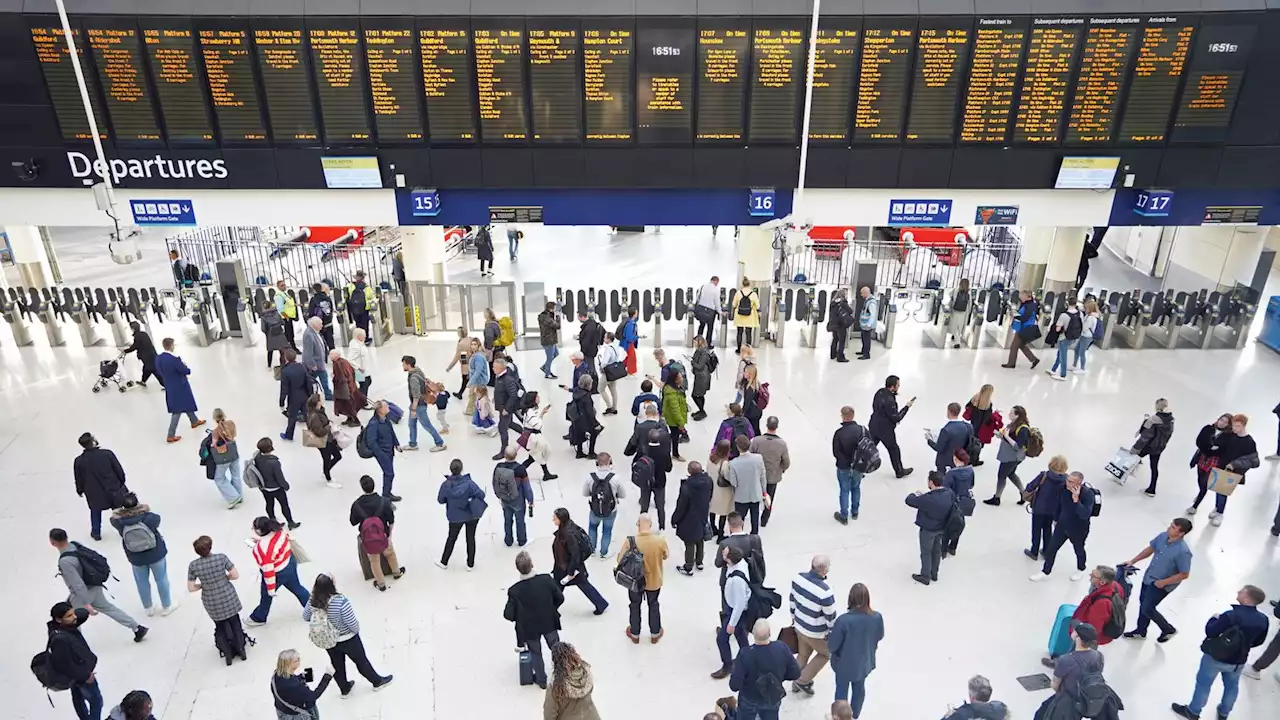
(84, 168)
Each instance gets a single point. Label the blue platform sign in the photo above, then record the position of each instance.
(919, 212)
(760, 202)
(163, 212)
(1153, 203)
(996, 215)
(424, 202)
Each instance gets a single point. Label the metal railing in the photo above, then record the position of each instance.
(271, 254)
(992, 262)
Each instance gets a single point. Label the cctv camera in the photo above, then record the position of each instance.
(26, 170)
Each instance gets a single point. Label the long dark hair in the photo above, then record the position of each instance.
(860, 598)
(564, 660)
(322, 591)
(1022, 414)
(265, 526)
(721, 451)
(566, 522)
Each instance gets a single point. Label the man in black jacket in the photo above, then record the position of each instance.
(146, 350)
(295, 388)
(590, 337)
(506, 400)
(844, 446)
(933, 510)
(657, 448)
(749, 543)
(885, 417)
(70, 657)
(640, 434)
(533, 604)
(839, 321)
(99, 480)
(368, 505)
(952, 437)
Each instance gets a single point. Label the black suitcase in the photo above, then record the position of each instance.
(526, 667)
(364, 562)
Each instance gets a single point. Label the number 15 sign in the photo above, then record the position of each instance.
(424, 202)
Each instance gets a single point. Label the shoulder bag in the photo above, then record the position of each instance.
(294, 712)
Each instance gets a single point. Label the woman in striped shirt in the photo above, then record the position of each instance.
(274, 554)
(325, 596)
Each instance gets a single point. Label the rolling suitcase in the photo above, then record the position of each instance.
(526, 667)
(366, 568)
(1060, 637)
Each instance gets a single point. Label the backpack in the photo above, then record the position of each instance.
(713, 361)
(1092, 694)
(191, 273)
(1224, 646)
(373, 535)
(1075, 325)
(139, 537)
(362, 444)
(961, 303)
(866, 456)
(630, 571)
(744, 304)
(584, 542)
(763, 600)
(357, 299)
(602, 502)
(49, 676)
(762, 397)
(320, 631)
(770, 689)
(1035, 442)
(1097, 501)
(507, 332)
(252, 478)
(94, 569)
(1115, 625)
(505, 487)
(642, 472)
(618, 331)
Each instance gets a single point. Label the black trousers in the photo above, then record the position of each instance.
(149, 371)
(591, 448)
(454, 529)
(482, 264)
(659, 496)
(772, 489)
(288, 333)
(693, 553)
(534, 644)
(504, 428)
(1041, 531)
(330, 454)
(890, 442)
(283, 497)
(707, 326)
(326, 332)
(351, 648)
(655, 613)
(951, 538)
(228, 636)
(754, 510)
(1155, 469)
(744, 332)
(838, 340)
(865, 336)
(1057, 541)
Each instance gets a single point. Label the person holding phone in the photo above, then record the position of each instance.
(885, 417)
(294, 697)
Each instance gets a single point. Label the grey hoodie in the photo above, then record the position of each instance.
(73, 575)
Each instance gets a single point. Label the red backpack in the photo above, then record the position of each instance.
(373, 536)
(762, 397)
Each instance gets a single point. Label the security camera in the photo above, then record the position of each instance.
(26, 170)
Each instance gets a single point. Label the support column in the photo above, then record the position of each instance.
(423, 254)
(755, 255)
(1241, 265)
(1064, 258)
(29, 256)
(1198, 257)
(1036, 248)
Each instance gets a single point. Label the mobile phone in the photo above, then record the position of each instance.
(530, 511)
(309, 675)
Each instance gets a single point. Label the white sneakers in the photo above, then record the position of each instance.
(1250, 673)
(1190, 511)
(441, 565)
(167, 610)
(1272, 458)
(334, 485)
(1215, 519)
(1037, 577)
(1077, 576)
(439, 448)
(151, 611)
(1054, 376)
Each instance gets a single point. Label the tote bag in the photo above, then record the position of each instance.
(1223, 482)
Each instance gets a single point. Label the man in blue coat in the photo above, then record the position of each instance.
(380, 435)
(295, 388)
(177, 389)
(952, 437)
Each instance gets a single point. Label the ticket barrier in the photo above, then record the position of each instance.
(938, 326)
(691, 322)
(812, 310)
(1049, 306)
(248, 324)
(379, 320)
(81, 316)
(1229, 325)
(778, 311)
(47, 310)
(653, 309)
(1133, 316)
(1165, 321)
(984, 304)
(1002, 310)
(116, 321)
(12, 308)
(1195, 327)
(892, 304)
(202, 306)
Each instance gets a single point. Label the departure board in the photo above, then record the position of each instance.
(778, 65)
(1051, 55)
(60, 77)
(882, 79)
(1162, 58)
(998, 44)
(499, 50)
(724, 47)
(283, 61)
(117, 56)
(393, 64)
(339, 66)
(228, 68)
(942, 63)
(446, 80)
(171, 51)
(1104, 64)
(1213, 82)
(608, 47)
(664, 83)
(834, 68)
(555, 86)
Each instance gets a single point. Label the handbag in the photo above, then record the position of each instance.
(299, 553)
(1223, 482)
(343, 439)
(1029, 334)
(787, 636)
(312, 440)
(275, 372)
(523, 440)
(295, 712)
(708, 532)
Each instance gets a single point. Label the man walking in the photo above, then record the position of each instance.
(506, 400)
(99, 480)
(867, 321)
(1170, 565)
(759, 673)
(315, 355)
(1269, 655)
(380, 436)
(885, 417)
(549, 335)
(533, 604)
(839, 321)
(295, 388)
(608, 354)
(813, 613)
(777, 459)
(71, 658)
(752, 548)
(368, 506)
(511, 488)
(603, 491)
(707, 308)
(734, 616)
(420, 403)
(654, 549)
(590, 336)
(933, 509)
(844, 446)
(178, 397)
(1084, 659)
(953, 436)
(84, 572)
(1228, 638)
(747, 476)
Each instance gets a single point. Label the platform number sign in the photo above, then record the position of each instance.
(760, 202)
(425, 203)
(1153, 203)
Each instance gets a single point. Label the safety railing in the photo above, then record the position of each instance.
(271, 254)
(984, 264)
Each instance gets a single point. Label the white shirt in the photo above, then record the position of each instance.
(357, 354)
(608, 354)
(709, 296)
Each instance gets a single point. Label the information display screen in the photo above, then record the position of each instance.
(835, 65)
(885, 67)
(228, 66)
(942, 64)
(60, 77)
(608, 47)
(1213, 82)
(779, 54)
(998, 45)
(499, 49)
(664, 82)
(282, 58)
(117, 56)
(724, 47)
(338, 60)
(446, 80)
(1051, 55)
(1162, 58)
(555, 85)
(389, 52)
(175, 68)
(1109, 46)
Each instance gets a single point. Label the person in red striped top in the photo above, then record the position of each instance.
(274, 554)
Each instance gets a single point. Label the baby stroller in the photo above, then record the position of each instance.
(109, 372)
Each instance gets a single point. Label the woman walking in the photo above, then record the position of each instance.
(569, 696)
(1045, 496)
(570, 548)
(210, 574)
(144, 547)
(746, 313)
(226, 459)
(274, 487)
(464, 503)
(339, 613)
(492, 331)
(701, 365)
(461, 355)
(531, 438)
(358, 356)
(852, 642)
(273, 552)
(1153, 438)
(690, 518)
(751, 409)
(675, 412)
(1234, 451)
(583, 427)
(630, 340)
(746, 359)
(484, 250)
(1014, 438)
(958, 325)
(347, 398)
(981, 415)
(1092, 319)
(294, 699)
(325, 438)
(722, 491)
(273, 330)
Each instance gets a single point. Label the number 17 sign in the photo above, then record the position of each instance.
(1153, 203)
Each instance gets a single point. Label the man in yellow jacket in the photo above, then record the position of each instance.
(654, 549)
(288, 309)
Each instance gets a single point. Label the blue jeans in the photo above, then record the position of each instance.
(593, 522)
(855, 691)
(1209, 670)
(748, 710)
(142, 578)
(387, 464)
(850, 491)
(87, 699)
(552, 352)
(1082, 347)
(422, 415)
(1060, 363)
(227, 478)
(513, 513)
(322, 377)
(513, 245)
(286, 578)
(173, 422)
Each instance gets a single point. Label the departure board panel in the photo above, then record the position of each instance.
(117, 55)
(1161, 59)
(175, 68)
(998, 44)
(282, 58)
(60, 77)
(664, 82)
(499, 50)
(778, 62)
(1108, 51)
(390, 55)
(555, 86)
(1213, 82)
(835, 64)
(338, 60)
(228, 66)
(608, 47)
(724, 48)
(1051, 55)
(446, 80)
(942, 64)
(884, 70)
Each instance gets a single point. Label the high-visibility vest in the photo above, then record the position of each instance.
(368, 295)
(290, 310)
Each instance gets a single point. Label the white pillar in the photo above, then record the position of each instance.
(1242, 257)
(29, 256)
(755, 255)
(423, 253)
(1036, 248)
(1198, 257)
(1064, 258)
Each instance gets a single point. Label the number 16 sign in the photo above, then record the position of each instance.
(760, 202)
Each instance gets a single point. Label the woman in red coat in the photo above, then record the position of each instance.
(984, 419)
(347, 398)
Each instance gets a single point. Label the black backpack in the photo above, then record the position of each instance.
(763, 601)
(94, 569)
(713, 361)
(1226, 645)
(191, 273)
(630, 571)
(642, 471)
(1092, 694)
(1097, 501)
(617, 332)
(584, 542)
(602, 502)
(744, 304)
(1075, 325)
(866, 455)
(50, 677)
